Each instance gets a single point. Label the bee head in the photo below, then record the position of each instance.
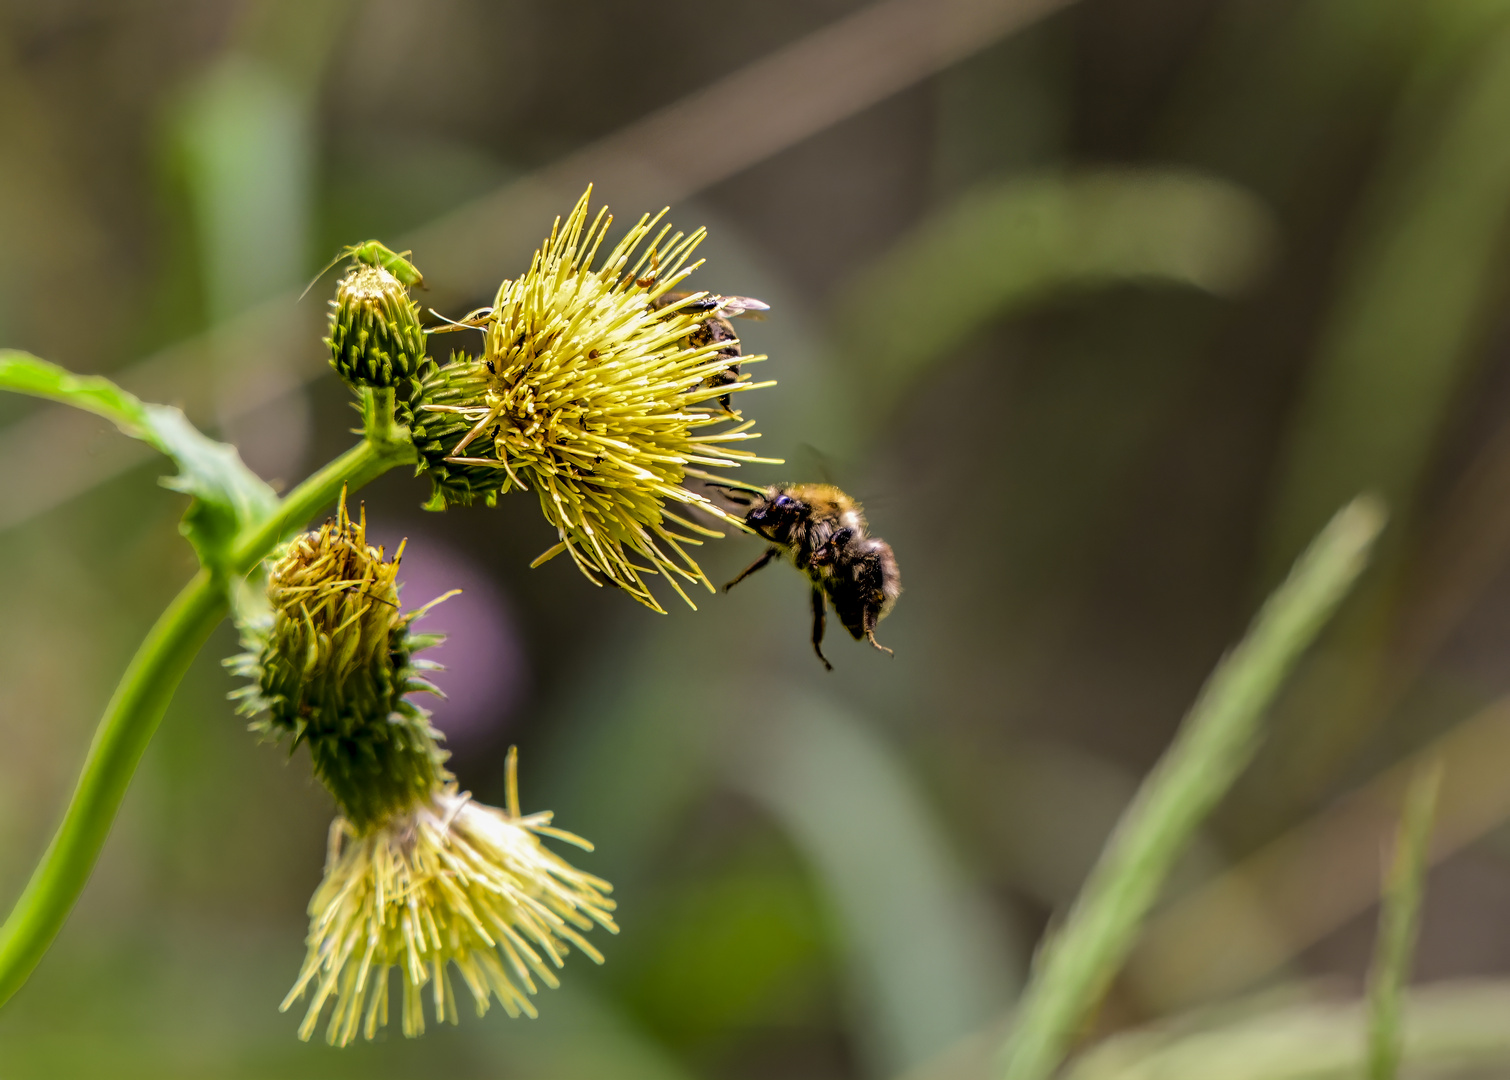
(776, 515)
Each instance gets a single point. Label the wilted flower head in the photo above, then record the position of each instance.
(448, 882)
(596, 400)
(332, 662)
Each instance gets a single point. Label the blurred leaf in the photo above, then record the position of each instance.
(1415, 293)
(244, 136)
(577, 1036)
(928, 965)
(726, 953)
(1018, 243)
(193, 999)
(1215, 743)
(1418, 288)
(227, 496)
(1447, 1028)
(1282, 96)
(1399, 923)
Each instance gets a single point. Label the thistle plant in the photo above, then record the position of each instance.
(594, 391)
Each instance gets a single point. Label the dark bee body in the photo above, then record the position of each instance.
(716, 330)
(822, 531)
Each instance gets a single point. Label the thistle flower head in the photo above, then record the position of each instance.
(375, 333)
(594, 396)
(331, 663)
(448, 882)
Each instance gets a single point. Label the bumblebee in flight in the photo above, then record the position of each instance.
(823, 532)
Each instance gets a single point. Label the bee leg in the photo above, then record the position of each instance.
(820, 616)
(758, 564)
(869, 620)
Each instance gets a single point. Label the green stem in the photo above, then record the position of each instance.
(142, 696)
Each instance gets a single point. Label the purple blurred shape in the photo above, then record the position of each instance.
(486, 672)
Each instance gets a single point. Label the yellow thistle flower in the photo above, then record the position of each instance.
(597, 400)
(450, 882)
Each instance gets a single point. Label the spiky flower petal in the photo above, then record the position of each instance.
(450, 882)
(596, 400)
(331, 664)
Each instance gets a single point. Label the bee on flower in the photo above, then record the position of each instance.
(419, 878)
(599, 397)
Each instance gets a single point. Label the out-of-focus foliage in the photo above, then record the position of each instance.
(1101, 314)
(227, 496)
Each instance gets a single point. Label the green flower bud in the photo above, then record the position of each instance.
(332, 663)
(375, 334)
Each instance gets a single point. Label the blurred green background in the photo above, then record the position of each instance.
(1101, 308)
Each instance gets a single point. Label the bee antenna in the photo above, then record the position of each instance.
(735, 485)
(325, 270)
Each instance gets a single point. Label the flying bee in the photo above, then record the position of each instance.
(715, 329)
(823, 532)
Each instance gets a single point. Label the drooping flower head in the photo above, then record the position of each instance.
(332, 664)
(592, 393)
(450, 882)
(418, 877)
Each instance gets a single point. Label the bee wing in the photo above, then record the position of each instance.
(747, 307)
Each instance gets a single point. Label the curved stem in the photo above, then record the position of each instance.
(142, 696)
(125, 729)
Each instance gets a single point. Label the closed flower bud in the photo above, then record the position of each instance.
(375, 334)
(331, 666)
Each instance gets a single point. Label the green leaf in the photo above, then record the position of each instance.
(227, 496)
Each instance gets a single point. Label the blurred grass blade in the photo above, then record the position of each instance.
(1011, 245)
(227, 495)
(1418, 285)
(1450, 1030)
(244, 137)
(1215, 743)
(927, 963)
(1419, 288)
(1399, 923)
